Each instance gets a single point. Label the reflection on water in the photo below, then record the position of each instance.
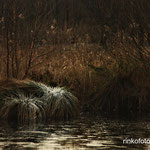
(82, 134)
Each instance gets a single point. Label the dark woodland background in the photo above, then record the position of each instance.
(99, 49)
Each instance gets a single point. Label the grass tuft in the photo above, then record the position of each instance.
(22, 108)
(28, 101)
(61, 104)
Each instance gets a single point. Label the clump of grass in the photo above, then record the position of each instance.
(28, 101)
(58, 102)
(61, 104)
(22, 108)
(11, 87)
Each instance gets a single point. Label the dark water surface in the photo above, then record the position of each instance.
(83, 134)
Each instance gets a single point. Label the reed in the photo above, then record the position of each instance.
(125, 91)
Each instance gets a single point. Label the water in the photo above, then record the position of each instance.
(82, 134)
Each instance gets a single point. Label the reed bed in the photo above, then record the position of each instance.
(125, 91)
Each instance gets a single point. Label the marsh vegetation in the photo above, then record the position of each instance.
(99, 50)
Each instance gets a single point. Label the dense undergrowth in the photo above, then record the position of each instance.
(112, 87)
(125, 91)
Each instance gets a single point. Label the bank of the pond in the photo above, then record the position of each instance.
(110, 91)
